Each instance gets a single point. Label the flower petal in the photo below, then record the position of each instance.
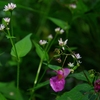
(56, 84)
(66, 72)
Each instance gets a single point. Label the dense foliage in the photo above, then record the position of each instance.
(21, 53)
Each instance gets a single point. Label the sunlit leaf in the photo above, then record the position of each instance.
(22, 47)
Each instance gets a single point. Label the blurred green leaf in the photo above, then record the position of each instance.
(2, 97)
(41, 52)
(10, 91)
(22, 47)
(60, 23)
(54, 67)
(76, 93)
(82, 76)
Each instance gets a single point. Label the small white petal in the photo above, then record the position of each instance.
(10, 6)
(7, 20)
(73, 6)
(50, 36)
(71, 64)
(42, 42)
(2, 27)
(61, 31)
(57, 29)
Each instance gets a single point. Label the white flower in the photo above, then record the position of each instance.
(10, 6)
(42, 42)
(2, 27)
(73, 6)
(61, 31)
(77, 56)
(50, 37)
(70, 64)
(62, 43)
(7, 20)
(58, 30)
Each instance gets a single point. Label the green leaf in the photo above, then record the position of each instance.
(2, 97)
(22, 47)
(10, 91)
(60, 23)
(81, 76)
(54, 67)
(41, 52)
(81, 6)
(77, 93)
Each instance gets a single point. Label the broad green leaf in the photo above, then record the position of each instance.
(2, 97)
(77, 93)
(10, 91)
(82, 76)
(22, 47)
(54, 67)
(41, 52)
(60, 23)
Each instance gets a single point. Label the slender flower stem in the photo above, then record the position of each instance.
(64, 61)
(51, 43)
(11, 23)
(36, 78)
(13, 44)
(38, 71)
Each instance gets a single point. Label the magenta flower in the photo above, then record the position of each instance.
(58, 82)
(97, 85)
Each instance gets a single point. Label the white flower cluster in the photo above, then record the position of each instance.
(58, 30)
(6, 20)
(10, 6)
(43, 42)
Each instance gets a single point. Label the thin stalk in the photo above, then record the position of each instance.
(64, 61)
(51, 43)
(38, 72)
(11, 18)
(13, 44)
(36, 78)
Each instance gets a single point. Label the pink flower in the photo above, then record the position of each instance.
(97, 85)
(58, 82)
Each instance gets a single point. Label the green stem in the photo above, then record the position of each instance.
(51, 43)
(11, 18)
(36, 78)
(38, 71)
(18, 67)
